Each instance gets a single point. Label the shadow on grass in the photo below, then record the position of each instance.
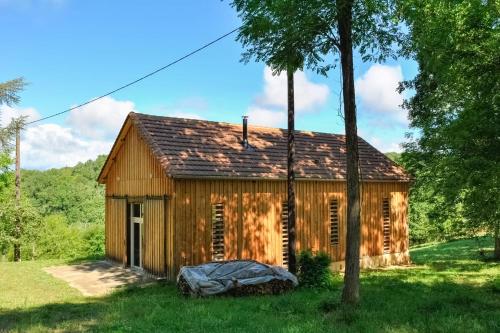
(458, 266)
(79, 260)
(388, 303)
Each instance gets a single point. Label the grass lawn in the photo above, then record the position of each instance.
(449, 290)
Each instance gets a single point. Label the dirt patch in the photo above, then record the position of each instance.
(96, 278)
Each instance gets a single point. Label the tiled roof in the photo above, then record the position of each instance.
(198, 148)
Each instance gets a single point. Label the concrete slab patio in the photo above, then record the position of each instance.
(96, 278)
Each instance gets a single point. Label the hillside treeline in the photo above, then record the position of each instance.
(62, 213)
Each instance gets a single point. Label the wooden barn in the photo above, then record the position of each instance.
(183, 192)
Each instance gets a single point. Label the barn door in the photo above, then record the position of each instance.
(115, 229)
(154, 254)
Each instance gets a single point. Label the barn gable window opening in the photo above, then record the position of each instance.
(334, 222)
(386, 212)
(284, 232)
(217, 232)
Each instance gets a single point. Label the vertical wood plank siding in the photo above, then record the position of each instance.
(115, 228)
(252, 218)
(135, 173)
(154, 236)
(178, 230)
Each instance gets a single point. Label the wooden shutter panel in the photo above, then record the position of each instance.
(218, 232)
(284, 231)
(386, 212)
(334, 222)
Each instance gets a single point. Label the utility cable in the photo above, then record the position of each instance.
(139, 79)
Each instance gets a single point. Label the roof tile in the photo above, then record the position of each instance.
(199, 148)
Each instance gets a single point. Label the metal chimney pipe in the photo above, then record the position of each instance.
(245, 132)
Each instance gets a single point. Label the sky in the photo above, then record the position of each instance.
(72, 51)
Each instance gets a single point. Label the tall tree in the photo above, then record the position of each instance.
(9, 95)
(350, 293)
(369, 27)
(456, 109)
(270, 33)
(316, 29)
(18, 124)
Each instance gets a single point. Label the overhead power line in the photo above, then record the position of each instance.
(139, 79)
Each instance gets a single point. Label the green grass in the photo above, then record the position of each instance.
(450, 289)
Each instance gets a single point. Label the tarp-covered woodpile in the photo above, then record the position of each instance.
(236, 277)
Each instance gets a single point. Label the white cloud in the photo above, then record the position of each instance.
(385, 146)
(269, 108)
(101, 119)
(52, 146)
(308, 95)
(8, 113)
(88, 132)
(377, 91)
(266, 117)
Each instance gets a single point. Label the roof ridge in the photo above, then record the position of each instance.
(186, 147)
(237, 125)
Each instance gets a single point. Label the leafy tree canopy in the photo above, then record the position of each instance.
(9, 91)
(72, 191)
(456, 108)
(299, 34)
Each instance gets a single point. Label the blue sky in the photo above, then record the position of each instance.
(71, 51)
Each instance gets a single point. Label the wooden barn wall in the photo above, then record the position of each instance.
(252, 218)
(115, 229)
(154, 236)
(135, 173)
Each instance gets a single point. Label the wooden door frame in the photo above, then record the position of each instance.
(130, 236)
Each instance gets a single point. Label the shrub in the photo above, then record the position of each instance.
(314, 270)
(58, 240)
(94, 241)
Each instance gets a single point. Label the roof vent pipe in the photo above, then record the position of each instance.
(244, 141)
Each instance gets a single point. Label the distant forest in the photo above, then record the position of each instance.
(63, 213)
(72, 192)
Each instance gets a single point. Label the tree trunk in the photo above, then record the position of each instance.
(350, 293)
(17, 229)
(292, 262)
(496, 252)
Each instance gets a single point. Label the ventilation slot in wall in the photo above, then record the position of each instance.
(334, 222)
(386, 211)
(218, 232)
(284, 231)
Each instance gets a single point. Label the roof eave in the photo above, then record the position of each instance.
(101, 179)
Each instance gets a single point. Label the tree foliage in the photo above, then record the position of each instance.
(62, 212)
(9, 91)
(293, 34)
(71, 191)
(60, 240)
(30, 225)
(281, 34)
(455, 157)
